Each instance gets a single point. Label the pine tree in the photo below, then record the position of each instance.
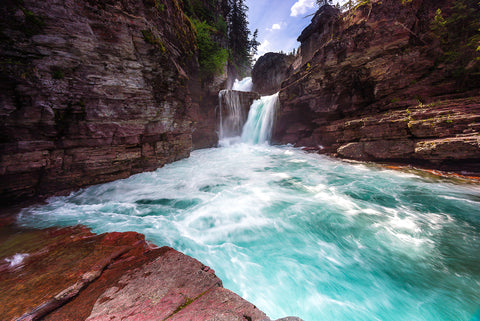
(239, 43)
(254, 43)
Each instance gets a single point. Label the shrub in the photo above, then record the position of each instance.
(459, 35)
(211, 57)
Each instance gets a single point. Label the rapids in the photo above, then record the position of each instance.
(301, 234)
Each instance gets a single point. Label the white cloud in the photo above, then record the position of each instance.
(301, 7)
(275, 26)
(263, 48)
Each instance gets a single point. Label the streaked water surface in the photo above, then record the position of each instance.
(302, 234)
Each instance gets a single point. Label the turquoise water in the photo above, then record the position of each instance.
(258, 128)
(302, 234)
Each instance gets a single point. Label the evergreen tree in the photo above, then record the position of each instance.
(226, 7)
(238, 36)
(254, 43)
(459, 34)
(230, 31)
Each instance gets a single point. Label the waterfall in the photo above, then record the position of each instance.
(234, 123)
(258, 128)
(232, 115)
(245, 84)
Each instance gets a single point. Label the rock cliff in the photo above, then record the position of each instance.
(91, 91)
(376, 84)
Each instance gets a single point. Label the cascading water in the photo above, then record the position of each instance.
(258, 128)
(245, 84)
(301, 234)
(232, 115)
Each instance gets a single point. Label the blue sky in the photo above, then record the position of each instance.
(279, 22)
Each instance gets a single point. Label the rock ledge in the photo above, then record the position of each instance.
(73, 274)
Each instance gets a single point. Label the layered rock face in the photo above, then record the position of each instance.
(91, 91)
(376, 89)
(270, 71)
(72, 274)
(324, 23)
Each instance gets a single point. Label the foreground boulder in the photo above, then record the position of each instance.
(73, 274)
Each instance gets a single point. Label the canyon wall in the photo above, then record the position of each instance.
(92, 91)
(376, 84)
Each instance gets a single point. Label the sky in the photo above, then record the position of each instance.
(279, 22)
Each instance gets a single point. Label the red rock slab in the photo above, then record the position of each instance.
(57, 264)
(72, 274)
(155, 290)
(222, 305)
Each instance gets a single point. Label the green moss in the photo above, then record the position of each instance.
(160, 6)
(449, 120)
(361, 4)
(30, 17)
(188, 301)
(150, 38)
(33, 23)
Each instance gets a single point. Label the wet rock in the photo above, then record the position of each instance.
(72, 274)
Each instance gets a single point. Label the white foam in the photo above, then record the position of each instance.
(297, 161)
(16, 260)
(406, 223)
(245, 84)
(281, 175)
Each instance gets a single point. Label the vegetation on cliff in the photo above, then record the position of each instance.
(211, 56)
(222, 35)
(458, 29)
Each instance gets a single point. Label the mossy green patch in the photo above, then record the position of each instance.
(150, 38)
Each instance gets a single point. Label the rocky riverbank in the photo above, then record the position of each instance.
(73, 274)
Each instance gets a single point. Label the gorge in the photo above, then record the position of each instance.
(113, 108)
(298, 233)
